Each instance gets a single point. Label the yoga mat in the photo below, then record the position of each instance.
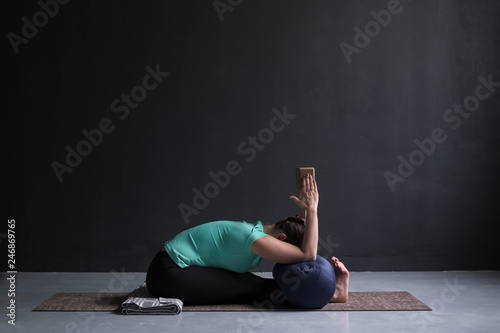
(358, 301)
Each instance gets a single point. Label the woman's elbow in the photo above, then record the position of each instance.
(310, 257)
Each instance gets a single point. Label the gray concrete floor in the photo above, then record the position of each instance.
(461, 302)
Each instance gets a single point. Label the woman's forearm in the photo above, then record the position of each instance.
(310, 241)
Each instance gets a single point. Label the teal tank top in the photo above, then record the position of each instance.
(219, 244)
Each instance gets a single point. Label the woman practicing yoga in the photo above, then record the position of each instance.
(208, 264)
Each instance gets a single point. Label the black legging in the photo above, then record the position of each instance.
(204, 285)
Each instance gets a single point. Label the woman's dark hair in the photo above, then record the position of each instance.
(293, 227)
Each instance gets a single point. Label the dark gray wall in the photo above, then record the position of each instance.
(349, 115)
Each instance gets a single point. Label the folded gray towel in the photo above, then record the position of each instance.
(140, 301)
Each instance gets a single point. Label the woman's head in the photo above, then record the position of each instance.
(293, 227)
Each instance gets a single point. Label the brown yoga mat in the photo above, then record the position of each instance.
(358, 301)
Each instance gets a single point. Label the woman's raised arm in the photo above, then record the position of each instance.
(278, 251)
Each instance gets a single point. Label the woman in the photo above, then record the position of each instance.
(208, 264)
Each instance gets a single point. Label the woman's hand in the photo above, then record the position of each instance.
(308, 197)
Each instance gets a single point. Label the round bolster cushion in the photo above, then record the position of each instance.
(309, 284)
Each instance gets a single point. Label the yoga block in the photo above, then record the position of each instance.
(300, 172)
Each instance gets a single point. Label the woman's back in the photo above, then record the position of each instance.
(219, 244)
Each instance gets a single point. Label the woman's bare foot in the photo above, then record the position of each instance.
(341, 294)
